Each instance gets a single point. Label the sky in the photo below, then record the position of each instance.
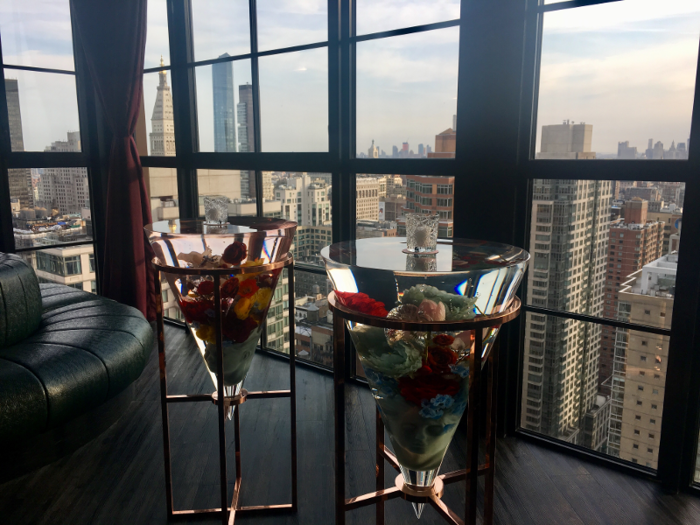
(627, 68)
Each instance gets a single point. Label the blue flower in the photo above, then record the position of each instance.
(442, 401)
(435, 407)
(460, 371)
(430, 412)
(385, 386)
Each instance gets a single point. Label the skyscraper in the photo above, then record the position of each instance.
(639, 378)
(634, 242)
(65, 189)
(246, 136)
(224, 111)
(162, 136)
(568, 242)
(566, 141)
(20, 179)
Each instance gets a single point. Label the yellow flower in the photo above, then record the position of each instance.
(253, 262)
(243, 306)
(262, 298)
(206, 333)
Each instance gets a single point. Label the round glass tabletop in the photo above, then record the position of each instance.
(457, 255)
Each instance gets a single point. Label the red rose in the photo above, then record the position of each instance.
(205, 288)
(361, 302)
(229, 288)
(440, 359)
(235, 253)
(443, 340)
(196, 311)
(237, 330)
(426, 387)
(248, 287)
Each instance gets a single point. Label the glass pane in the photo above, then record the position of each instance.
(225, 107)
(383, 15)
(421, 194)
(294, 100)
(306, 199)
(591, 240)
(220, 26)
(314, 322)
(157, 44)
(37, 33)
(561, 397)
(601, 64)
(42, 107)
(235, 186)
(158, 112)
(72, 266)
(291, 23)
(407, 95)
(50, 205)
(162, 186)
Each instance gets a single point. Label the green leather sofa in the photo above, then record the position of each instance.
(66, 358)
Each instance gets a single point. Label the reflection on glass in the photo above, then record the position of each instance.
(157, 45)
(158, 109)
(42, 108)
(236, 187)
(51, 205)
(407, 95)
(591, 242)
(220, 26)
(429, 195)
(294, 101)
(291, 23)
(225, 107)
(313, 339)
(37, 33)
(383, 15)
(600, 64)
(72, 266)
(304, 198)
(561, 397)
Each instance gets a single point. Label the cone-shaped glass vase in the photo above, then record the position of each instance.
(242, 247)
(420, 379)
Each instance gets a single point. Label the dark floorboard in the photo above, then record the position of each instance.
(119, 479)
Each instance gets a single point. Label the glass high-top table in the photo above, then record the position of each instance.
(423, 327)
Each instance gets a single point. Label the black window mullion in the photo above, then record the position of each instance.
(184, 105)
(255, 78)
(7, 239)
(95, 147)
(679, 435)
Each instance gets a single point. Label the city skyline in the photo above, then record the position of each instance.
(585, 50)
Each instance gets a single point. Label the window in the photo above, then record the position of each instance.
(243, 96)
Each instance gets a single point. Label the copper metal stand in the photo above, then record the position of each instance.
(433, 494)
(226, 513)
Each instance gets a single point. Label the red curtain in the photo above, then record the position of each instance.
(112, 34)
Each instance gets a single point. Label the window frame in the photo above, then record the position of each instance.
(89, 157)
(503, 34)
(681, 405)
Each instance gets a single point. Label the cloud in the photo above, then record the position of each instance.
(631, 80)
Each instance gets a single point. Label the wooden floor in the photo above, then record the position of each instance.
(119, 478)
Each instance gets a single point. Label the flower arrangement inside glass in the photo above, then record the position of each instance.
(420, 378)
(240, 246)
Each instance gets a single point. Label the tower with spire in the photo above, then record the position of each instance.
(162, 136)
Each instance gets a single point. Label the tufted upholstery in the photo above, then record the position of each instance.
(20, 300)
(85, 350)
